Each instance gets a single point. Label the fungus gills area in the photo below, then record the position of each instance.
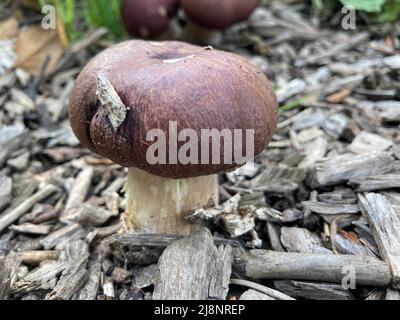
(160, 205)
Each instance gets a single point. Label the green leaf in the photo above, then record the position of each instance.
(390, 12)
(293, 104)
(365, 5)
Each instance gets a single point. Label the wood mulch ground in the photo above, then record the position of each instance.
(317, 216)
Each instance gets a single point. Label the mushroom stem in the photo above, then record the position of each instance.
(194, 33)
(174, 31)
(160, 205)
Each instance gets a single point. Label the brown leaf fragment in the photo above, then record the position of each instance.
(34, 45)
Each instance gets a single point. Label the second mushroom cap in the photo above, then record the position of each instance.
(218, 14)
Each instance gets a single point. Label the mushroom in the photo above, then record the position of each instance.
(131, 94)
(148, 18)
(208, 17)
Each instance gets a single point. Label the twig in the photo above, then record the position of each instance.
(263, 289)
(14, 214)
(80, 189)
(264, 264)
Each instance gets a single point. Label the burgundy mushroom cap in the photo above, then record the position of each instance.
(159, 82)
(148, 18)
(218, 14)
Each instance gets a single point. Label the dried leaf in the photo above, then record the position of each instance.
(9, 28)
(34, 45)
(349, 235)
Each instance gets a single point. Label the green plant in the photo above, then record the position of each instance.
(293, 104)
(390, 12)
(79, 16)
(365, 5)
(376, 11)
(104, 13)
(66, 10)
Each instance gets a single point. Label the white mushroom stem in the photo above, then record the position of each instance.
(160, 205)
(194, 33)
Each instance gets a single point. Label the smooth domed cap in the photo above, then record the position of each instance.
(218, 14)
(148, 18)
(159, 82)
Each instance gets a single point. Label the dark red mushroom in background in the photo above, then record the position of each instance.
(148, 18)
(138, 86)
(208, 16)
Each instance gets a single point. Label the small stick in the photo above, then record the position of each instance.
(80, 189)
(264, 264)
(104, 232)
(9, 217)
(34, 257)
(263, 289)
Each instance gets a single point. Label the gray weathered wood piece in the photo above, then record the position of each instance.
(111, 102)
(8, 272)
(276, 216)
(376, 294)
(5, 191)
(193, 268)
(264, 264)
(12, 137)
(330, 208)
(30, 228)
(392, 294)
(146, 276)
(35, 257)
(385, 225)
(343, 196)
(302, 240)
(79, 190)
(158, 240)
(87, 214)
(346, 246)
(340, 169)
(67, 233)
(254, 295)
(273, 233)
(42, 277)
(346, 45)
(275, 294)
(70, 260)
(90, 288)
(75, 274)
(313, 290)
(376, 182)
(366, 142)
(9, 217)
(237, 214)
(314, 151)
(68, 284)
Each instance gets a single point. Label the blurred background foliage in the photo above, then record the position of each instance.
(79, 16)
(370, 11)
